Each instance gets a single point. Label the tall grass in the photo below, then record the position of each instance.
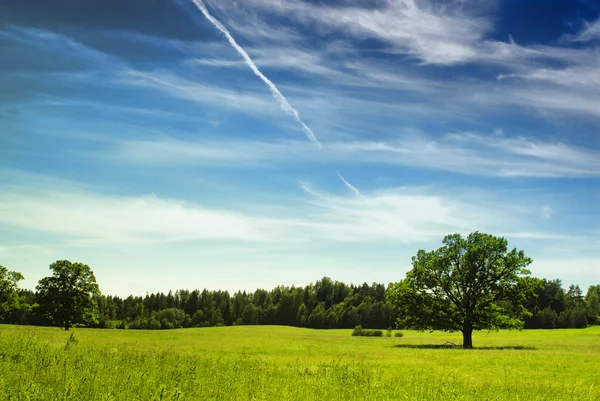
(275, 363)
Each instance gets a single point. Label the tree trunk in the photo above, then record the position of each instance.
(467, 332)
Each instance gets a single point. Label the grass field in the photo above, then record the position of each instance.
(279, 363)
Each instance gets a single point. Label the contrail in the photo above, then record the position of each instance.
(349, 186)
(285, 105)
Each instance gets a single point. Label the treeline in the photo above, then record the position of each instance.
(324, 304)
(556, 308)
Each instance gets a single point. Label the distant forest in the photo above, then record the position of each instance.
(322, 305)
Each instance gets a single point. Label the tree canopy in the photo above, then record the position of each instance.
(9, 296)
(467, 284)
(66, 297)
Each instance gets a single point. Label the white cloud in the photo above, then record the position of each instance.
(550, 100)
(433, 33)
(522, 58)
(391, 215)
(590, 32)
(572, 89)
(436, 33)
(256, 29)
(88, 217)
(581, 76)
(401, 215)
(446, 33)
(323, 65)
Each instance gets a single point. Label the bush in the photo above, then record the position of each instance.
(359, 331)
(198, 318)
(171, 318)
(105, 323)
(153, 324)
(398, 334)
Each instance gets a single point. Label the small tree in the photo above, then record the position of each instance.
(592, 300)
(468, 284)
(66, 297)
(9, 296)
(250, 314)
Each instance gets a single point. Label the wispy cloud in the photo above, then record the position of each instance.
(463, 152)
(446, 34)
(181, 87)
(434, 34)
(52, 42)
(589, 32)
(580, 76)
(79, 216)
(83, 217)
(573, 89)
(419, 215)
(285, 105)
(257, 29)
(322, 66)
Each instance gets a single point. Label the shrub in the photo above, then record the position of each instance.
(398, 334)
(198, 318)
(137, 324)
(153, 324)
(105, 323)
(359, 331)
(171, 318)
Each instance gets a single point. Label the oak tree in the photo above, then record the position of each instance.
(468, 284)
(66, 297)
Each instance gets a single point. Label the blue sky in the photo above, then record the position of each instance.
(136, 137)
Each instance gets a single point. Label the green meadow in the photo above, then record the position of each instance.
(280, 363)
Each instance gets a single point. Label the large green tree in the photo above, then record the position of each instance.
(66, 297)
(9, 296)
(468, 284)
